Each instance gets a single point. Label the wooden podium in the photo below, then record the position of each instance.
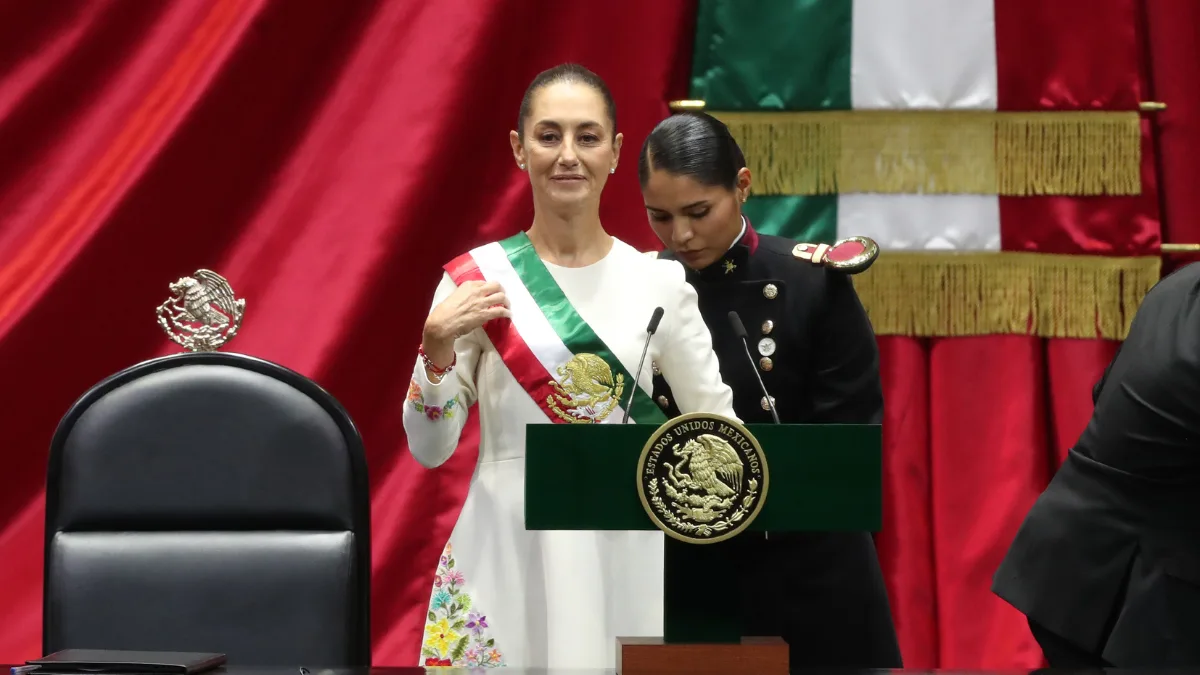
(585, 477)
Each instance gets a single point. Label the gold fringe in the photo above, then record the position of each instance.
(940, 152)
(956, 294)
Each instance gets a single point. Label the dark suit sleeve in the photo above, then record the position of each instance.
(846, 385)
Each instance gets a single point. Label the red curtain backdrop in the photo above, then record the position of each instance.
(973, 430)
(328, 157)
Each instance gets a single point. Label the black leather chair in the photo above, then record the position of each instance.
(209, 502)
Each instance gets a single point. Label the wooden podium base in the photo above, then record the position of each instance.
(652, 656)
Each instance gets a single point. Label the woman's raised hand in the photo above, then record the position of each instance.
(471, 305)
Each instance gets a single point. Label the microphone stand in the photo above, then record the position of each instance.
(651, 328)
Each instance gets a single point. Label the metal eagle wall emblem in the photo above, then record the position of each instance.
(202, 314)
(702, 478)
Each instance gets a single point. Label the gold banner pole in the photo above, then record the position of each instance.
(1169, 249)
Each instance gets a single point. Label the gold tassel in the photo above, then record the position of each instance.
(940, 152)
(933, 294)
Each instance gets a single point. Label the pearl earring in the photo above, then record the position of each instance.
(613, 170)
(522, 166)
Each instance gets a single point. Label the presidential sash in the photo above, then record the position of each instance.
(552, 352)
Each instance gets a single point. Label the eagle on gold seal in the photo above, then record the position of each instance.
(702, 478)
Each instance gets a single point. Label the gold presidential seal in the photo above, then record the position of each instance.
(202, 313)
(702, 478)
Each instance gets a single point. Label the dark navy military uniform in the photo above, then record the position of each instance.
(816, 353)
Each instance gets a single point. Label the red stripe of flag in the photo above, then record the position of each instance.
(1076, 55)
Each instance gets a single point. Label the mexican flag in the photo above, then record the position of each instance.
(993, 148)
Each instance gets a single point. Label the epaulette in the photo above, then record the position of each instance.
(851, 255)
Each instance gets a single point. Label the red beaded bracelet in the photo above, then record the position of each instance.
(431, 366)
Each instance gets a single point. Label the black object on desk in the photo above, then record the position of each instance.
(122, 661)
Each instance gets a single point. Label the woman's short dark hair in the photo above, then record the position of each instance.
(567, 72)
(692, 144)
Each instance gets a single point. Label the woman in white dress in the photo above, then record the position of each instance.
(511, 323)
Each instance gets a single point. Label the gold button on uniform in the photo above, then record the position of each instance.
(770, 291)
(766, 364)
(663, 402)
(767, 327)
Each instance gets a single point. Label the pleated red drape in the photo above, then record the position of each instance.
(327, 157)
(973, 429)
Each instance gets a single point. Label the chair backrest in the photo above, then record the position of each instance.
(209, 502)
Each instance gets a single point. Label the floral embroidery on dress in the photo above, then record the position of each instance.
(456, 632)
(416, 398)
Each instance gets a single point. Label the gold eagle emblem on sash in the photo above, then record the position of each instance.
(587, 392)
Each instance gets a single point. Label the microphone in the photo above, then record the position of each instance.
(650, 328)
(740, 330)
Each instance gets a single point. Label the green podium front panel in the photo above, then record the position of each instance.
(820, 477)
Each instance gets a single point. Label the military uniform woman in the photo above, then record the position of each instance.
(816, 353)
(511, 322)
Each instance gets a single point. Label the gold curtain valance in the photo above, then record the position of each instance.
(949, 294)
(940, 152)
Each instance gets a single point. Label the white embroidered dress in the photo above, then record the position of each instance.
(504, 595)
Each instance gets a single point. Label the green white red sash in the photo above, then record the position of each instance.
(545, 333)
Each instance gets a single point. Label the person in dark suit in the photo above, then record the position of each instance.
(1106, 566)
(816, 353)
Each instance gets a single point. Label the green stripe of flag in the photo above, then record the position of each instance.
(776, 55)
(812, 219)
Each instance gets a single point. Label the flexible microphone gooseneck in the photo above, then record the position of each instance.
(633, 386)
(740, 330)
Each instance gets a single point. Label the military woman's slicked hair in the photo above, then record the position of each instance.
(692, 144)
